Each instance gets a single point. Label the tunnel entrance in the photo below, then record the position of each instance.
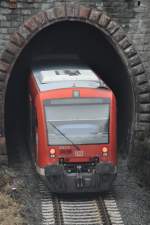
(93, 49)
(98, 42)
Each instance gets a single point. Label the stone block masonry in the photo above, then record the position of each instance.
(134, 19)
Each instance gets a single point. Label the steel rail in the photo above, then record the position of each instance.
(89, 210)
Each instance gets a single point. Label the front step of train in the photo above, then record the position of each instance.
(85, 177)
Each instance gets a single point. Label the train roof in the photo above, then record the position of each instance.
(66, 77)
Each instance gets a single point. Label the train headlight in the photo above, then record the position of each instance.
(52, 151)
(105, 151)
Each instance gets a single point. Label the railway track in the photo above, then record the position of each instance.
(68, 210)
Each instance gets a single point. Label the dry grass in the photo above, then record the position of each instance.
(10, 208)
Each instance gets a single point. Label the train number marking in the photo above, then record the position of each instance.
(79, 153)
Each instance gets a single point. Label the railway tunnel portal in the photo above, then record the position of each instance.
(99, 42)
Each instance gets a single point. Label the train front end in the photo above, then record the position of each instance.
(76, 144)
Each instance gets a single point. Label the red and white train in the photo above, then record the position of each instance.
(73, 128)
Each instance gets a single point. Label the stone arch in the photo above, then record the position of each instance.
(112, 31)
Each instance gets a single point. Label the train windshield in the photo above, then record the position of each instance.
(77, 121)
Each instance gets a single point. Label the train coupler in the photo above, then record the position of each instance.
(80, 182)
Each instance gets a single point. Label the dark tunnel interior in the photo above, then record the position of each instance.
(94, 49)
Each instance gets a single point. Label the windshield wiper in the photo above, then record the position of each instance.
(76, 146)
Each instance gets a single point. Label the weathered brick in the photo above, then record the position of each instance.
(138, 135)
(84, 12)
(76, 11)
(60, 12)
(124, 43)
(31, 24)
(144, 98)
(7, 57)
(26, 12)
(141, 126)
(138, 69)
(6, 23)
(119, 35)
(24, 32)
(41, 18)
(130, 51)
(4, 66)
(135, 60)
(104, 20)
(144, 108)
(70, 11)
(2, 86)
(112, 27)
(12, 48)
(143, 88)
(140, 79)
(17, 39)
(30, 1)
(143, 117)
(95, 15)
(2, 76)
(50, 14)
(58, 4)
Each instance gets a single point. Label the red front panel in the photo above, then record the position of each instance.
(69, 152)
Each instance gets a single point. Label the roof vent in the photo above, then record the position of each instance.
(68, 72)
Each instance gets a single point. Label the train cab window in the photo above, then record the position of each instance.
(83, 121)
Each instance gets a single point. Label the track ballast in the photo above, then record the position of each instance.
(78, 210)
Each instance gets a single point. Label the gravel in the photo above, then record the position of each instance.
(25, 183)
(30, 195)
(132, 197)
